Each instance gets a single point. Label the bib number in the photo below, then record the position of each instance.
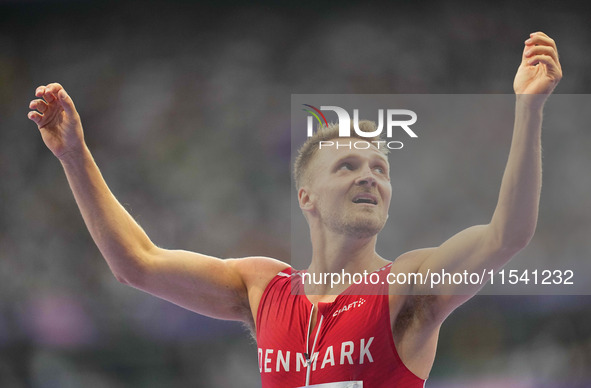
(340, 384)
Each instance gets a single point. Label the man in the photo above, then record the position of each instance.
(346, 336)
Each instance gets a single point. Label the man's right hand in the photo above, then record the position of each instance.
(225, 289)
(57, 119)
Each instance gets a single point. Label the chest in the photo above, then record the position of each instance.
(310, 326)
(348, 334)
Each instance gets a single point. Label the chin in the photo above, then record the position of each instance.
(355, 224)
(364, 228)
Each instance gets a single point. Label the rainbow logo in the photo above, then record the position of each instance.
(313, 113)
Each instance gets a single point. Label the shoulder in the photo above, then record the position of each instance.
(411, 261)
(256, 272)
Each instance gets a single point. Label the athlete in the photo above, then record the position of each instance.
(341, 336)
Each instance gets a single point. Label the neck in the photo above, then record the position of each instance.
(336, 253)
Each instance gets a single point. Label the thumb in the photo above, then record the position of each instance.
(66, 103)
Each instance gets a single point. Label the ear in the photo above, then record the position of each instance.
(305, 200)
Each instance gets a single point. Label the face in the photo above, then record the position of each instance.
(349, 191)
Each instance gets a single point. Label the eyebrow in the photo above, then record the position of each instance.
(356, 156)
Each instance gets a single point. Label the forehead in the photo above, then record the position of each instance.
(326, 157)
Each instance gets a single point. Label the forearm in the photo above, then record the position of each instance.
(120, 239)
(515, 217)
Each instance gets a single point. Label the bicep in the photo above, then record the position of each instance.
(204, 284)
(470, 250)
(453, 267)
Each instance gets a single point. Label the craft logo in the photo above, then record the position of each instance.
(350, 306)
(395, 118)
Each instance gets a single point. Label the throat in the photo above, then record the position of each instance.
(319, 290)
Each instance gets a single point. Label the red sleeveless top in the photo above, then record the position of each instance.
(351, 343)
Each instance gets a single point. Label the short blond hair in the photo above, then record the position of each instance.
(308, 150)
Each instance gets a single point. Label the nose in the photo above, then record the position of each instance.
(366, 178)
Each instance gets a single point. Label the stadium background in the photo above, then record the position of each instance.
(186, 109)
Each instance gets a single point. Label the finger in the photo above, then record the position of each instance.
(540, 39)
(66, 102)
(35, 116)
(539, 33)
(51, 91)
(48, 95)
(39, 91)
(545, 59)
(541, 50)
(54, 88)
(39, 105)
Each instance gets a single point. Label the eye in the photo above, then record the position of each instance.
(380, 169)
(346, 166)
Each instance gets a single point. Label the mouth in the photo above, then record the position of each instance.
(365, 198)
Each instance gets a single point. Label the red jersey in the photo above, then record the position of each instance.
(351, 343)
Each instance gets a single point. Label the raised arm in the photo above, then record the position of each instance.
(514, 220)
(207, 285)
